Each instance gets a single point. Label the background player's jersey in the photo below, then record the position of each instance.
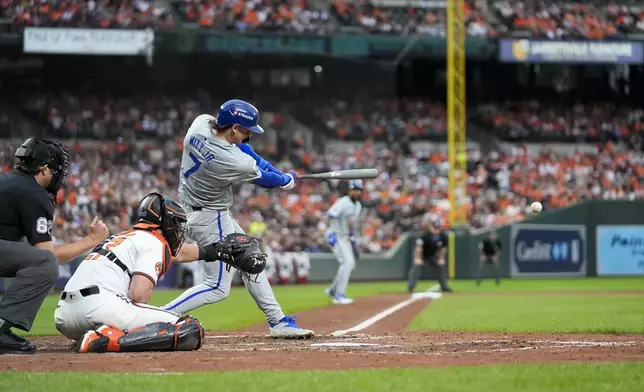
(344, 213)
(210, 165)
(143, 253)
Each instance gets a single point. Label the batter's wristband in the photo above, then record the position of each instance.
(202, 253)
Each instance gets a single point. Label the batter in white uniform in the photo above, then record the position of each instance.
(215, 156)
(344, 216)
(103, 305)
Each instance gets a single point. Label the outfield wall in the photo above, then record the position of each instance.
(568, 242)
(589, 239)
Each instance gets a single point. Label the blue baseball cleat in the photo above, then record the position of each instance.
(341, 299)
(287, 328)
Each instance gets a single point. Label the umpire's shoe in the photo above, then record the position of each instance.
(10, 343)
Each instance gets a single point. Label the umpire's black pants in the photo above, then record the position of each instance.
(34, 271)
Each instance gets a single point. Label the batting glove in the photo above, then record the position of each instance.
(291, 182)
(333, 239)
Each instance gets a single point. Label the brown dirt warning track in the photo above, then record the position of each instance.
(386, 343)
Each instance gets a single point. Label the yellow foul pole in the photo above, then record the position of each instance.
(456, 117)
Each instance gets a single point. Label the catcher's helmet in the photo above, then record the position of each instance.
(164, 214)
(355, 184)
(240, 113)
(34, 153)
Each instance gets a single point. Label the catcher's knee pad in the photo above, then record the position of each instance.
(186, 335)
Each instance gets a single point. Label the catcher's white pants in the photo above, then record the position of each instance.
(343, 252)
(206, 227)
(76, 314)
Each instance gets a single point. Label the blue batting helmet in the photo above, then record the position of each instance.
(355, 184)
(241, 113)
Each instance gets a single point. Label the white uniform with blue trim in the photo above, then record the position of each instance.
(209, 167)
(344, 215)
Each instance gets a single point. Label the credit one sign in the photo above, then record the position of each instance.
(548, 250)
(579, 52)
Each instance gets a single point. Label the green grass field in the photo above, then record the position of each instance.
(609, 377)
(493, 313)
(532, 311)
(524, 309)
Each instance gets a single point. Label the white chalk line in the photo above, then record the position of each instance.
(387, 312)
(574, 343)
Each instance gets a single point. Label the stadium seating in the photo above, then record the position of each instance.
(109, 178)
(290, 15)
(93, 13)
(547, 19)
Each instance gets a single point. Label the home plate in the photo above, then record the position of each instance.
(343, 344)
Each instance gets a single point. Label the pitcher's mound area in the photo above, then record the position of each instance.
(384, 343)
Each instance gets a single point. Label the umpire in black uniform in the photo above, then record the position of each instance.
(431, 247)
(490, 250)
(27, 198)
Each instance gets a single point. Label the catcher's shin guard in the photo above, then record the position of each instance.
(186, 335)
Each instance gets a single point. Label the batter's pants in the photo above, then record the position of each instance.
(343, 252)
(79, 311)
(34, 272)
(206, 227)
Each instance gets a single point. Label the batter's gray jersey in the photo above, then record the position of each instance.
(344, 214)
(210, 165)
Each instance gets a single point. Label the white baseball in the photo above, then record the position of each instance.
(536, 207)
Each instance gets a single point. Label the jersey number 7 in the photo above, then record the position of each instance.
(194, 168)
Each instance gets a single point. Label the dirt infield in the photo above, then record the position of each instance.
(383, 344)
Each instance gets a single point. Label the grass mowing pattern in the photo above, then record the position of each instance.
(240, 311)
(600, 377)
(534, 313)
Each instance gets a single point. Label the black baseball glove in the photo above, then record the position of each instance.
(240, 251)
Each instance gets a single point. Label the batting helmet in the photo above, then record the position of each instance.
(165, 214)
(238, 112)
(355, 184)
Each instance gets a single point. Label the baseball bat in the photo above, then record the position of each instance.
(350, 174)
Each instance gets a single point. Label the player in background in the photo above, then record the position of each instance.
(344, 217)
(103, 306)
(215, 156)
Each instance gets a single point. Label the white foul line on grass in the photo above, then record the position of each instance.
(431, 293)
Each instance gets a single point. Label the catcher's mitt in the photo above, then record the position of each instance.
(244, 254)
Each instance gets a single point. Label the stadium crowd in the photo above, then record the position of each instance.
(108, 180)
(82, 13)
(595, 19)
(166, 116)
